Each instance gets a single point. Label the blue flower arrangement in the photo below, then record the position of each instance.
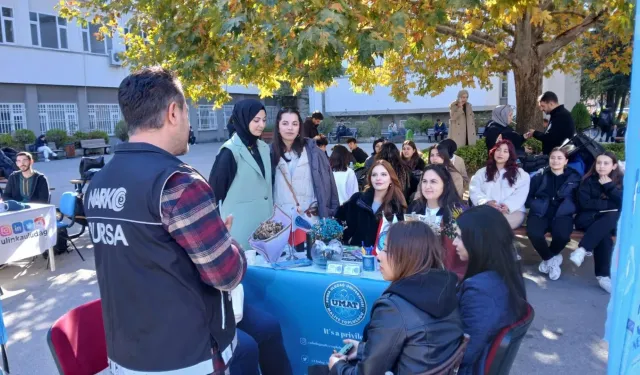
(327, 229)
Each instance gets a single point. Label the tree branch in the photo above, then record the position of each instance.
(569, 12)
(568, 36)
(475, 37)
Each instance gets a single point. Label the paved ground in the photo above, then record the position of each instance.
(565, 337)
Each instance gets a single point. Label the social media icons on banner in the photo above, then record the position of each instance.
(20, 227)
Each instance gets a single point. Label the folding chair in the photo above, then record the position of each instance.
(505, 346)
(68, 209)
(77, 341)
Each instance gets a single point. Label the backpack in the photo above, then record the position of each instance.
(605, 120)
(584, 150)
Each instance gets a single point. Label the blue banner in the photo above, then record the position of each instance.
(623, 321)
(3, 330)
(316, 310)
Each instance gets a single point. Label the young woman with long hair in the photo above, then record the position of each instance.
(346, 180)
(439, 154)
(501, 184)
(600, 201)
(408, 182)
(411, 156)
(377, 146)
(304, 184)
(438, 201)
(552, 205)
(415, 325)
(492, 294)
(363, 211)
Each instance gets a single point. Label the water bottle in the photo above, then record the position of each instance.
(351, 165)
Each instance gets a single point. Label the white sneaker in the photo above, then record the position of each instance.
(544, 266)
(55, 155)
(605, 283)
(554, 267)
(577, 257)
(47, 160)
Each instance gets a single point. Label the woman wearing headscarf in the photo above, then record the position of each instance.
(501, 118)
(241, 180)
(244, 160)
(462, 127)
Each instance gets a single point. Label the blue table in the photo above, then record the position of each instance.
(316, 310)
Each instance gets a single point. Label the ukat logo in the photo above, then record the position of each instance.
(345, 303)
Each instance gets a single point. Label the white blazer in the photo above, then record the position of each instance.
(481, 191)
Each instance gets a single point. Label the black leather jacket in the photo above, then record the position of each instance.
(415, 325)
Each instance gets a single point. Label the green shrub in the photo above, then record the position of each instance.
(122, 131)
(77, 137)
(98, 134)
(413, 123)
(535, 145)
(57, 136)
(371, 128)
(327, 125)
(581, 116)
(475, 157)
(6, 140)
(425, 125)
(616, 148)
(22, 137)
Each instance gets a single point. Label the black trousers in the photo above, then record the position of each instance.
(560, 229)
(597, 238)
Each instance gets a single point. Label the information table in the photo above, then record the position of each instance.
(28, 233)
(316, 310)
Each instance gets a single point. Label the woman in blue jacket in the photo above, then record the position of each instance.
(492, 294)
(552, 204)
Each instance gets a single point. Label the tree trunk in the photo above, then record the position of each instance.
(623, 99)
(528, 79)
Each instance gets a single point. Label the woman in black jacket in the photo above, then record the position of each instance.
(551, 204)
(600, 201)
(408, 181)
(363, 211)
(501, 118)
(415, 325)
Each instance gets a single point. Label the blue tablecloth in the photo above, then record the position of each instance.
(316, 310)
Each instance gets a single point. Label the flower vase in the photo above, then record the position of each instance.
(321, 252)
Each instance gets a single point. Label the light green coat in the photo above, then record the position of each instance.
(250, 197)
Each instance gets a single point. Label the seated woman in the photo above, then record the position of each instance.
(552, 205)
(346, 180)
(412, 158)
(363, 211)
(600, 201)
(457, 161)
(439, 154)
(501, 184)
(408, 182)
(415, 324)
(492, 294)
(437, 200)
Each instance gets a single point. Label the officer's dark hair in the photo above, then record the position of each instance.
(548, 97)
(317, 115)
(145, 95)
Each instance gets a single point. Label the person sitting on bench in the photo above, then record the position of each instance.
(551, 206)
(41, 146)
(600, 201)
(27, 184)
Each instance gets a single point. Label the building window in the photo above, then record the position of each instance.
(12, 117)
(272, 113)
(228, 112)
(58, 116)
(90, 42)
(6, 25)
(104, 117)
(207, 118)
(48, 31)
(504, 89)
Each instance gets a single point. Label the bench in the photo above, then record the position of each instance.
(353, 133)
(576, 235)
(31, 148)
(94, 144)
(481, 132)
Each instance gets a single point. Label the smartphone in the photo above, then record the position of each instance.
(346, 349)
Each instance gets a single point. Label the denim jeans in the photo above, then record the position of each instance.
(260, 345)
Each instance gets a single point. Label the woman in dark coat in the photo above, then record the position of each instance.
(600, 201)
(415, 325)
(552, 204)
